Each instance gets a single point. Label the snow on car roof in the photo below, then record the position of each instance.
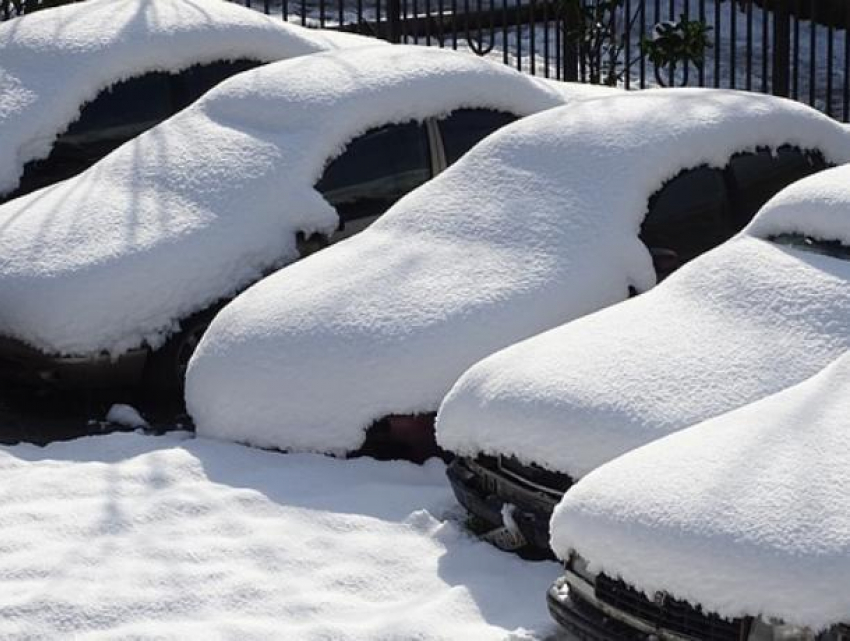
(200, 206)
(535, 226)
(745, 514)
(739, 323)
(54, 61)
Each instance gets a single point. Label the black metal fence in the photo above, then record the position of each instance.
(794, 48)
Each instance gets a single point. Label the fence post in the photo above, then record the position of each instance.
(781, 48)
(569, 22)
(394, 20)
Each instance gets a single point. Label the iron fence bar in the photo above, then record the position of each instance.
(641, 55)
(686, 75)
(749, 63)
(454, 24)
(846, 114)
(505, 58)
(830, 52)
(671, 16)
(765, 42)
(782, 47)
(733, 45)
(627, 44)
(718, 39)
(532, 41)
(546, 55)
(303, 13)
(796, 72)
(813, 39)
(701, 68)
(518, 38)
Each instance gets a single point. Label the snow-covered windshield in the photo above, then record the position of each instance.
(831, 248)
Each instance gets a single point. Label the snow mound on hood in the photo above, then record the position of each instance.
(203, 204)
(522, 234)
(54, 61)
(737, 324)
(139, 537)
(745, 514)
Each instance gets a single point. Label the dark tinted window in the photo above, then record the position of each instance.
(377, 169)
(194, 82)
(689, 215)
(832, 248)
(129, 106)
(755, 177)
(464, 128)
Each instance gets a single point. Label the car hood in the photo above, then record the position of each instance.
(733, 326)
(744, 514)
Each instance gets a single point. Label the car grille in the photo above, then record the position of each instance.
(532, 476)
(667, 613)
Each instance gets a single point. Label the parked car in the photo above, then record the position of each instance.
(760, 313)
(111, 277)
(738, 528)
(540, 223)
(78, 81)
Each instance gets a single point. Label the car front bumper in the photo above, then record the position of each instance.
(573, 605)
(485, 494)
(23, 365)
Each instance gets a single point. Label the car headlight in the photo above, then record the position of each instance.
(763, 631)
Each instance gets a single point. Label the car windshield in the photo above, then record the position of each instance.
(831, 248)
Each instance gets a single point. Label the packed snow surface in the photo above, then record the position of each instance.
(745, 514)
(54, 61)
(202, 205)
(737, 324)
(522, 234)
(129, 536)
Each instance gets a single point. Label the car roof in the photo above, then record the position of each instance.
(54, 61)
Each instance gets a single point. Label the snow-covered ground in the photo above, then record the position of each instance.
(173, 537)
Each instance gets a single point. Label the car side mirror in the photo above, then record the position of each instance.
(665, 261)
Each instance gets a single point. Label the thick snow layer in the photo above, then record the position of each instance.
(737, 324)
(534, 227)
(744, 514)
(129, 536)
(202, 205)
(54, 61)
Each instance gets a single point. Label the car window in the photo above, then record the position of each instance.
(377, 169)
(688, 216)
(754, 178)
(463, 129)
(123, 110)
(192, 83)
(832, 248)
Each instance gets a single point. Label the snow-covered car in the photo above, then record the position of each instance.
(110, 277)
(79, 80)
(735, 529)
(540, 223)
(760, 313)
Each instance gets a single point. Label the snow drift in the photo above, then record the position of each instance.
(54, 61)
(522, 234)
(140, 537)
(202, 205)
(745, 514)
(739, 323)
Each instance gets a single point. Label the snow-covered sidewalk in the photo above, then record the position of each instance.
(175, 537)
